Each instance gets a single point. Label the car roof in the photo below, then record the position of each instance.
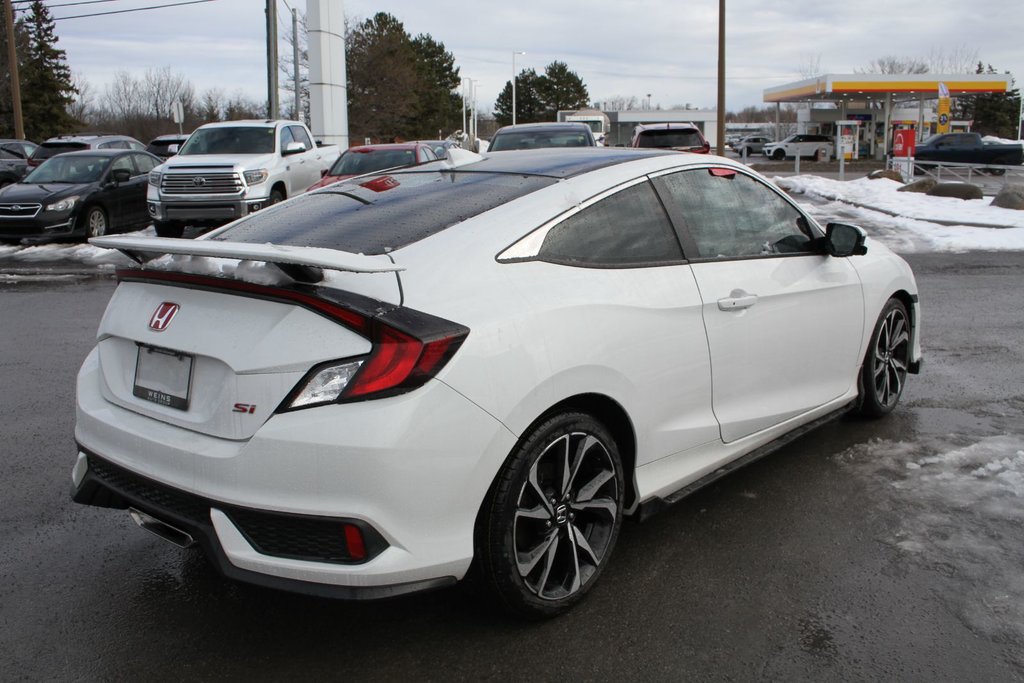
(554, 162)
(169, 136)
(385, 145)
(549, 125)
(665, 126)
(255, 123)
(99, 153)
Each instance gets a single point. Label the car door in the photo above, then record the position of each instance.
(783, 320)
(310, 159)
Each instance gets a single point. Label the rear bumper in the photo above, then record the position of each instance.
(413, 468)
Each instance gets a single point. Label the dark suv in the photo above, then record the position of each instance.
(537, 135)
(682, 137)
(79, 141)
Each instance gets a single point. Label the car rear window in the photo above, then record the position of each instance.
(538, 139)
(49, 149)
(358, 162)
(670, 138)
(384, 212)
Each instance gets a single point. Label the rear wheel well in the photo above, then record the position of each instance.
(614, 417)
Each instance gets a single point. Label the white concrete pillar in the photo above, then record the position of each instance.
(328, 92)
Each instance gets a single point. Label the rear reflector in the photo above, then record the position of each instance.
(354, 541)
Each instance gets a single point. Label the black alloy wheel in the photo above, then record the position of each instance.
(779, 154)
(276, 197)
(884, 373)
(553, 516)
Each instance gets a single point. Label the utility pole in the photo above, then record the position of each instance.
(295, 63)
(271, 59)
(514, 85)
(12, 61)
(720, 132)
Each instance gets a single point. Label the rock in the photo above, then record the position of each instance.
(1010, 197)
(959, 190)
(922, 185)
(886, 173)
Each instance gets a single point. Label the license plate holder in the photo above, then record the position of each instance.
(163, 376)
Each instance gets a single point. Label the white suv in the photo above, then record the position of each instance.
(802, 145)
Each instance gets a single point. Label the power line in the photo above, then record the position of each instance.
(136, 9)
(66, 4)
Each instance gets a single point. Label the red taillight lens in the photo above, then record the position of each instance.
(354, 541)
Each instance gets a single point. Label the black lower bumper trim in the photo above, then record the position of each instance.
(108, 485)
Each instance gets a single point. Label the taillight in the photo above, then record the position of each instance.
(409, 346)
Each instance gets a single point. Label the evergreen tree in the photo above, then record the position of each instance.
(438, 105)
(46, 86)
(561, 90)
(383, 77)
(529, 108)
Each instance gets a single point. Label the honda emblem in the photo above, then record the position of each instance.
(162, 316)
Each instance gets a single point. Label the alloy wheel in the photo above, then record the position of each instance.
(566, 516)
(890, 357)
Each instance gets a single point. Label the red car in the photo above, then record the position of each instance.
(371, 158)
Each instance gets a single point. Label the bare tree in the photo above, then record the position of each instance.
(811, 67)
(83, 106)
(621, 103)
(286, 67)
(957, 60)
(891, 64)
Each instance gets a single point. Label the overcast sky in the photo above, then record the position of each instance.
(665, 48)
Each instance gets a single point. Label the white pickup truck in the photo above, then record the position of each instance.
(229, 169)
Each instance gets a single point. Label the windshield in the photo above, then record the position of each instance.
(73, 168)
(230, 140)
(355, 162)
(670, 138)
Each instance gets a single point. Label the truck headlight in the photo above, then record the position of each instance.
(256, 177)
(65, 204)
(154, 178)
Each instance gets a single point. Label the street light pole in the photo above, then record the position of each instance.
(514, 85)
(12, 62)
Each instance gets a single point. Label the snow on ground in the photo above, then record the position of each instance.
(909, 221)
(906, 222)
(953, 497)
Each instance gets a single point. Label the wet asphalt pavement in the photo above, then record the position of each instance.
(866, 550)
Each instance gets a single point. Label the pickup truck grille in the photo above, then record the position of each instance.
(217, 182)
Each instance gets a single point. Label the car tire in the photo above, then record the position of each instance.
(276, 197)
(94, 218)
(552, 517)
(169, 228)
(779, 155)
(884, 373)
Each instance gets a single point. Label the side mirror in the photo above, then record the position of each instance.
(842, 239)
(323, 172)
(293, 148)
(173, 149)
(121, 175)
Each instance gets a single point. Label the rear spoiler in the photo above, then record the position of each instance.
(302, 264)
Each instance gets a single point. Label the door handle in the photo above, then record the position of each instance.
(737, 301)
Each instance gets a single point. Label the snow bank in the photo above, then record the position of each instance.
(909, 221)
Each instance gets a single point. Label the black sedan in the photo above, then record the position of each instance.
(87, 193)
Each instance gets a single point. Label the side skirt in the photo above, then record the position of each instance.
(655, 505)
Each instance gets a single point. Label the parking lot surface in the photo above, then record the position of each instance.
(886, 550)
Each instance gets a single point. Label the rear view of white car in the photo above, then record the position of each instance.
(364, 391)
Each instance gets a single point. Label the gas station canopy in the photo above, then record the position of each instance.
(901, 87)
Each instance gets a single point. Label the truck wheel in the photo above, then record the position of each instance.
(779, 155)
(276, 197)
(169, 228)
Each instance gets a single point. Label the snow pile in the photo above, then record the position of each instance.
(908, 221)
(960, 508)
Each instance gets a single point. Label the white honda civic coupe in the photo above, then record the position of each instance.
(488, 362)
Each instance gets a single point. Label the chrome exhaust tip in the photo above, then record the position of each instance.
(180, 538)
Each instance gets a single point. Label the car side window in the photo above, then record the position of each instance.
(629, 228)
(732, 215)
(9, 153)
(124, 163)
(144, 163)
(286, 137)
(299, 135)
(428, 154)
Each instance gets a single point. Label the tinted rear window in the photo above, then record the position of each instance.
(49, 149)
(382, 213)
(360, 162)
(669, 138)
(539, 138)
